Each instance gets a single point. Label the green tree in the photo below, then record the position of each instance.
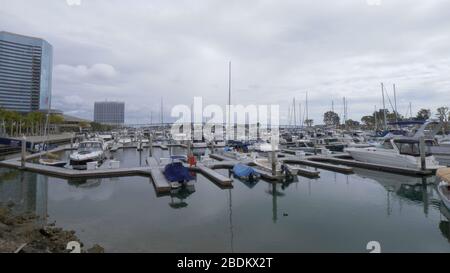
(352, 124)
(443, 114)
(369, 121)
(423, 114)
(331, 118)
(309, 122)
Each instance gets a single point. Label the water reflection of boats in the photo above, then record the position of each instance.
(272, 190)
(178, 196)
(419, 190)
(395, 182)
(85, 183)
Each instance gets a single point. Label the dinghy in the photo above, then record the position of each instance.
(52, 162)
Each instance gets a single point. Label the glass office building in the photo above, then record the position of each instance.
(25, 73)
(109, 112)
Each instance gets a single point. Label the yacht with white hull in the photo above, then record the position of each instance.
(88, 151)
(395, 152)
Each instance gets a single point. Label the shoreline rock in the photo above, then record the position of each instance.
(21, 233)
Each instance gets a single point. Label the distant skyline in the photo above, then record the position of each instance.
(140, 51)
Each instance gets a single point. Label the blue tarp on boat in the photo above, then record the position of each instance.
(241, 170)
(176, 172)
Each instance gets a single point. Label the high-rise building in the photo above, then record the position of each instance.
(25, 72)
(109, 112)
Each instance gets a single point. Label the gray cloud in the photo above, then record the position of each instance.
(140, 51)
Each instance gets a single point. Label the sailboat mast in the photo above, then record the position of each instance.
(307, 110)
(300, 113)
(295, 114)
(376, 119)
(384, 106)
(162, 112)
(395, 103)
(410, 110)
(343, 114)
(229, 93)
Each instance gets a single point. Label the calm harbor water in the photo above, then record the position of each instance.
(335, 213)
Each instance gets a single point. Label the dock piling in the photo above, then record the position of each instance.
(24, 150)
(150, 142)
(423, 164)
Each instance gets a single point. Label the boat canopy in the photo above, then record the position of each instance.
(176, 172)
(409, 147)
(242, 170)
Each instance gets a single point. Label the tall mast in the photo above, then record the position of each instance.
(376, 120)
(410, 110)
(300, 113)
(229, 93)
(162, 112)
(384, 106)
(344, 114)
(306, 109)
(295, 114)
(289, 116)
(395, 103)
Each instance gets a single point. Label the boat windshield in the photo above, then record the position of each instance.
(387, 145)
(90, 146)
(409, 148)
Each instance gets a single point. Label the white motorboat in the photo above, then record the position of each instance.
(88, 151)
(395, 152)
(439, 151)
(125, 141)
(443, 186)
(281, 170)
(265, 147)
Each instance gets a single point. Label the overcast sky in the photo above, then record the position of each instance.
(141, 50)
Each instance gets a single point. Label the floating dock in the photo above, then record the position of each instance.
(219, 179)
(320, 165)
(308, 173)
(371, 166)
(159, 181)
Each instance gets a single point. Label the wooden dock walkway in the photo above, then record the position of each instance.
(371, 166)
(159, 181)
(219, 179)
(320, 165)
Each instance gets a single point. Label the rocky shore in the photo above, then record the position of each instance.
(23, 234)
